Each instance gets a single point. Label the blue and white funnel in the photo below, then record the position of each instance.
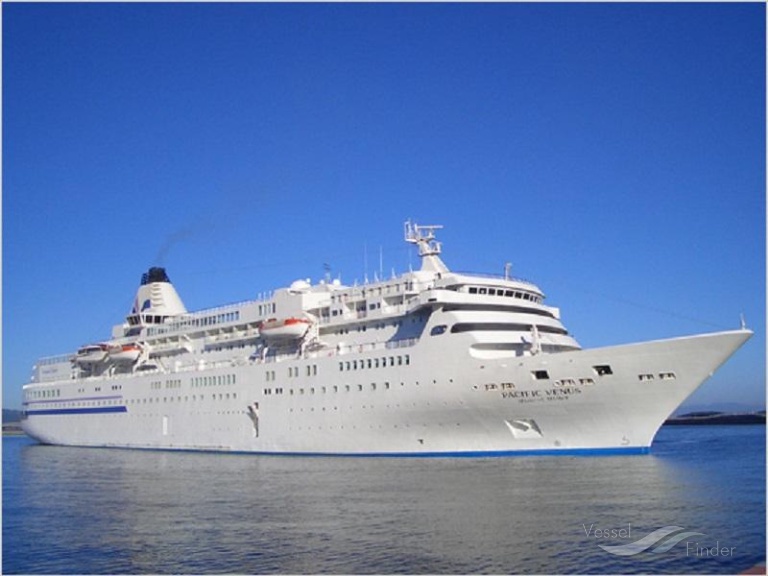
(156, 299)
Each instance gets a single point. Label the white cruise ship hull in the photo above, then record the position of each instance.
(434, 397)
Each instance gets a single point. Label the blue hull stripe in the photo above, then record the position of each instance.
(97, 410)
(579, 452)
(472, 453)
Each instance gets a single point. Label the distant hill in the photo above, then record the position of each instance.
(732, 407)
(11, 416)
(712, 417)
(12, 422)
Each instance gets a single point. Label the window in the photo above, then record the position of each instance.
(603, 370)
(540, 375)
(472, 290)
(437, 330)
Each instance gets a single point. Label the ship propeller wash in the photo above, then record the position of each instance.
(430, 362)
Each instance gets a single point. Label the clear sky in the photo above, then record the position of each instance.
(613, 153)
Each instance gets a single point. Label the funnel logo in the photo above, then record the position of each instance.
(658, 542)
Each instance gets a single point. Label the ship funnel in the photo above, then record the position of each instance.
(156, 299)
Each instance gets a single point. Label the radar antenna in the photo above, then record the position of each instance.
(424, 237)
(429, 248)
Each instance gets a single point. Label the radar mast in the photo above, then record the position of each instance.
(429, 248)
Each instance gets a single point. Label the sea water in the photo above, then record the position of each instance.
(699, 498)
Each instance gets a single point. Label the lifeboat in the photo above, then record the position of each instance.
(91, 354)
(284, 328)
(124, 353)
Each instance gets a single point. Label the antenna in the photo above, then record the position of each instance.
(424, 237)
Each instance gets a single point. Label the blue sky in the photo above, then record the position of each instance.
(614, 153)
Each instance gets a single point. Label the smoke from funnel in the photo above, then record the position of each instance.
(171, 240)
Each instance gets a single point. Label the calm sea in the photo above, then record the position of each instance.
(84, 510)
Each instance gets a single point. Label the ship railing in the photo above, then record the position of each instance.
(340, 350)
(496, 277)
(58, 359)
(383, 312)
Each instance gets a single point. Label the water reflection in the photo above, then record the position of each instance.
(136, 512)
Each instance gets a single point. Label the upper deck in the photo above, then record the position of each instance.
(338, 314)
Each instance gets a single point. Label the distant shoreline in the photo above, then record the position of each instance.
(720, 418)
(13, 429)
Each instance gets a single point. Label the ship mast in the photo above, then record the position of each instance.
(429, 248)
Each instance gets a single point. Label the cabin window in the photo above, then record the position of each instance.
(603, 370)
(437, 330)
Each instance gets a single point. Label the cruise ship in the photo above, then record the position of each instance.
(427, 363)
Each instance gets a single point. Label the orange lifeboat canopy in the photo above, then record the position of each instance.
(284, 328)
(125, 353)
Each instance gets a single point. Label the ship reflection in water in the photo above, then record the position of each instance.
(123, 511)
